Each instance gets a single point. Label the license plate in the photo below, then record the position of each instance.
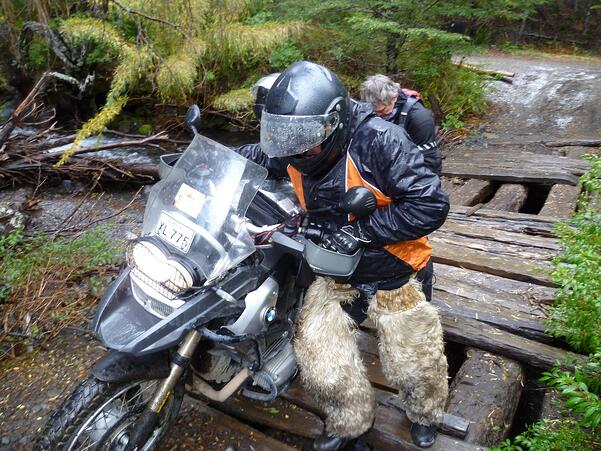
(175, 233)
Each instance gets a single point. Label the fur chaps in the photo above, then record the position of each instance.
(331, 366)
(412, 351)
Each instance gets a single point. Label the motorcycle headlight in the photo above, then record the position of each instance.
(152, 262)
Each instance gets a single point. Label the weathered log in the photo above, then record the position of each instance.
(497, 314)
(494, 247)
(502, 75)
(278, 414)
(516, 295)
(561, 201)
(586, 142)
(509, 197)
(500, 220)
(391, 426)
(486, 391)
(483, 229)
(472, 192)
(391, 431)
(501, 265)
(509, 165)
(475, 333)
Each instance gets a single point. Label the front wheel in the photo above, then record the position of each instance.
(99, 415)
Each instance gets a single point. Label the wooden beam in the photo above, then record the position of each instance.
(486, 391)
(473, 191)
(501, 265)
(509, 197)
(475, 333)
(278, 414)
(561, 201)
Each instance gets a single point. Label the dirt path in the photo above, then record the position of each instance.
(550, 98)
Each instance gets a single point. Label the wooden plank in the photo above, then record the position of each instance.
(486, 391)
(391, 432)
(482, 229)
(517, 295)
(278, 414)
(201, 427)
(475, 333)
(501, 265)
(473, 191)
(515, 156)
(513, 165)
(525, 324)
(509, 197)
(493, 246)
(523, 220)
(561, 201)
(391, 426)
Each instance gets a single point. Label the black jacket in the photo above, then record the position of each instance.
(389, 161)
(420, 127)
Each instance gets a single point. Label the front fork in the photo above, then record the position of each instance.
(149, 418)
(179, 362)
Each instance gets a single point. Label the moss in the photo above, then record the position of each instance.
(236, 100)
(145, 129)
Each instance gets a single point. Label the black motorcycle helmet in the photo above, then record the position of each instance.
(260, 90)
(306, 106)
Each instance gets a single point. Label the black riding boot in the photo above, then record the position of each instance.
(327, 442)
(423, 436)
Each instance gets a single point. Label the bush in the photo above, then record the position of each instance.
(575, 316)
(576, 313)
(46, 282)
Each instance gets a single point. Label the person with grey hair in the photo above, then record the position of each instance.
(404, 108)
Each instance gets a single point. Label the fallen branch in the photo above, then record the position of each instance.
(585, 142)
(23, 110)
(502, 75)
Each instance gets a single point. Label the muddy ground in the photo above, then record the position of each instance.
(549, 98)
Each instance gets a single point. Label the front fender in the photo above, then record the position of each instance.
(120, 367)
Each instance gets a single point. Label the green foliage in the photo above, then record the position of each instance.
(236, 100)
(575, 316)
(549, 435)
(41, 276)
(283, 56)
(37, 55)
(582, 389)
(580, 413)
(576, 312)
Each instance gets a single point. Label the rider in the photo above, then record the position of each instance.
(326, 145)
(405, 108)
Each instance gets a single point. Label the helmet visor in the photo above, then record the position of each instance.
(283, 136)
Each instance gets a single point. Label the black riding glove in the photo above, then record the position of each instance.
(347, 239)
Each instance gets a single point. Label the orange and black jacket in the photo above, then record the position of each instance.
(381, 157)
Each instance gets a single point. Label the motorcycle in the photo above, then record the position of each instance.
(206, 302)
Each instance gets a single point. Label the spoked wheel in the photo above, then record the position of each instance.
(100, 416)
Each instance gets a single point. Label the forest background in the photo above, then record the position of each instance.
(147, 57)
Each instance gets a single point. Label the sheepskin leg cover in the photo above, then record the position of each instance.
(412, 351)
(331, 367)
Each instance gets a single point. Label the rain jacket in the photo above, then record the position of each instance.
(410, 113)
(411, 204)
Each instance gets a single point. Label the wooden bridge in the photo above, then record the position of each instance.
(492, 288)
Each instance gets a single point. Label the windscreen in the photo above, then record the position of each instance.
(198, 209)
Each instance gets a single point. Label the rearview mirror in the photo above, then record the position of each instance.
(358, 201)
(193, 119)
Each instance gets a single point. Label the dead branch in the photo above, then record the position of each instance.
(130, 11)
(25, 107)
(585, 142)
(502, 75)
